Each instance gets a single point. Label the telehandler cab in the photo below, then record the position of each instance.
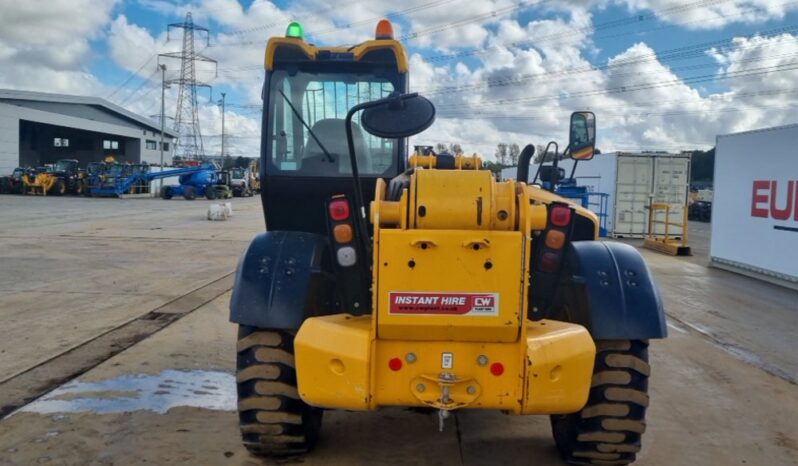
(449, 290)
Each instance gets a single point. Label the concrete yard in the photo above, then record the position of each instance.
(114, 315)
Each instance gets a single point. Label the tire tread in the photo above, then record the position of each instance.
(608, 429)
(273, 420)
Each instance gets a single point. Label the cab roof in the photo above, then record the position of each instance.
(286, 50)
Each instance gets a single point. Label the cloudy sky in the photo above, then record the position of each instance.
(659, 74)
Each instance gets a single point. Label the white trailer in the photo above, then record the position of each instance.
(755, 204)
(633, 181)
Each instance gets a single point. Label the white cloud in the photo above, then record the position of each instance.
(713, 14)
(48, 48)
(534, 72)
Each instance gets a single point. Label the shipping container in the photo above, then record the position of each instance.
(755, 204)
(633, 181)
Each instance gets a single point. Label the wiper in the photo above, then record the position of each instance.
(296, 114)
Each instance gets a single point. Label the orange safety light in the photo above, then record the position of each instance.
(384, 30)
(342, 233)
(555, 239)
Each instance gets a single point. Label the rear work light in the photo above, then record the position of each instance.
(339, 210)
(346, 256)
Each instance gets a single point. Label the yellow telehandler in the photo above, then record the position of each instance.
(448, 290)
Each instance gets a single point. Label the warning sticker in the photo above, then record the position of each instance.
(473, 304)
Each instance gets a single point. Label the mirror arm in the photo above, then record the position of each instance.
(359, 202)
(543, 159)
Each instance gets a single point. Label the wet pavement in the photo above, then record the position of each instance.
(720, 389)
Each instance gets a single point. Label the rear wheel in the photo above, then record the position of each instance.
(608, 429)
(274, 421)
(210, 193)
(166, 192)
(59, 188)
(188, 193)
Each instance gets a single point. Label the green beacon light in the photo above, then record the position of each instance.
(294, 30)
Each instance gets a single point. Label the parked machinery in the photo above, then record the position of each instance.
(700, 205)
(240, 179)
(63, 177)
(223, 186)
(461, 292)
(254, 176)
(12, 184)
(197, 181)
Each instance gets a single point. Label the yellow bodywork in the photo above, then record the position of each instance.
(340, 364)
(41, 184)
(450, 278)
(310, 51)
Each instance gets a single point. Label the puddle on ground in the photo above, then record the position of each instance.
(159, 393)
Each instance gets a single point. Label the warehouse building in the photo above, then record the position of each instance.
(39, 128)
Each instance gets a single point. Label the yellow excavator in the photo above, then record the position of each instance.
(447, 290)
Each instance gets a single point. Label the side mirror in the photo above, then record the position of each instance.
(582, 137)
(398, 116)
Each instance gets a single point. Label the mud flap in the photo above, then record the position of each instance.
(283, 278)
(607, 287)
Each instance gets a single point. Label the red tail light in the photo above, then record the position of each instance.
(549, 262)
(560, 216)
(339, 210)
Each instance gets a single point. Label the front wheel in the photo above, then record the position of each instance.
(188, 193)
(60, 188)
(608, 429)
(274, 421)
(210, 193)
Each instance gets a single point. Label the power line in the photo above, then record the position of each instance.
(602, 108)
(130, 76)
(640, 86)
(633, 19)
(606, 25)
(681, 53)
(415, 9)
(146, 81)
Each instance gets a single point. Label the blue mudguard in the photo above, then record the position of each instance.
(608, 288)
(281, 279)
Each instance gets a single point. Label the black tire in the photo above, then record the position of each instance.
(273, 420)
(166, 192)
(188, 193)
(608, 429)
(210, 193)
(59, 188)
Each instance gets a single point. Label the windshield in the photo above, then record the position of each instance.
(322, 101)
(238, 173)
(63, 166)
(114, 170)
